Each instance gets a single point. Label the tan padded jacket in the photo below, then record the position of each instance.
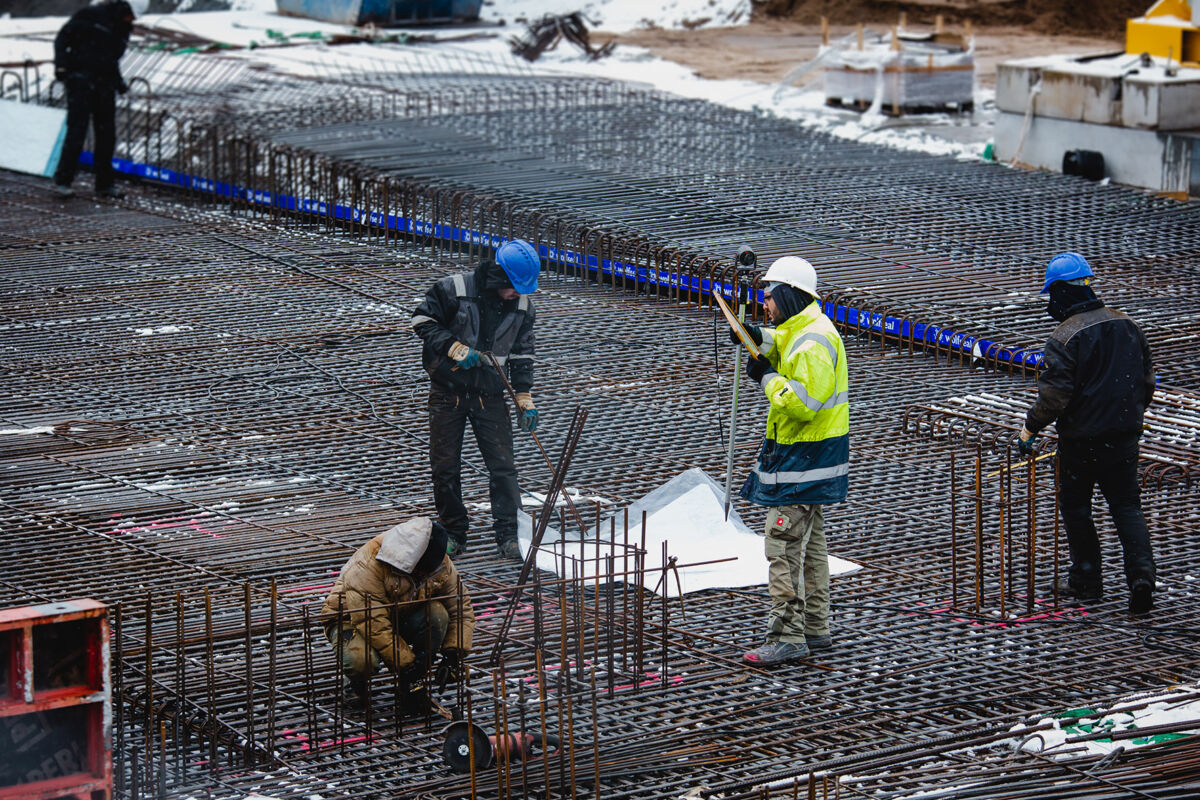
(364, 577)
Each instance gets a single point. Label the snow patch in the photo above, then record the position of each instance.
(160, 329)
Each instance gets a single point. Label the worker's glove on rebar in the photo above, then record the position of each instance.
(465, 356)
(529, 415)
(449, 668)
(754, 331)
(1026, 443)
(757, 368)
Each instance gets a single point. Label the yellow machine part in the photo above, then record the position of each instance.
(1165, 31)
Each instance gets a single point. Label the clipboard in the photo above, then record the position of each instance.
(737, 326)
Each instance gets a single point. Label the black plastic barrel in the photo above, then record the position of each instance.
(1084, 163)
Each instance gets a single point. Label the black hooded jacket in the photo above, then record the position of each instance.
(91, 43)
(1098, 375)
(461, 308)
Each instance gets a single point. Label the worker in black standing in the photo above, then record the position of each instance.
(1097, 380)
(87, 55)
(461, 320)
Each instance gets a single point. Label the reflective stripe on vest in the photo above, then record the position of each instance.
(812, 403)
(768, 335)
(820, 339)
(807, 476)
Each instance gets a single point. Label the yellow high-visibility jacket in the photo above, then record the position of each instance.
(805, 457)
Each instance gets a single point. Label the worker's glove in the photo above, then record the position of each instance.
(754, 331)
(1026, 442)
(465, 356)
(757, 368)
(449, 668)
(122, 86)
(529, 415)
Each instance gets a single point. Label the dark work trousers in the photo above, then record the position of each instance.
(95, 100)
(1112, 465)
(423, 628)
(449, 413)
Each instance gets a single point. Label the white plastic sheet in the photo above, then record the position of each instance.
(31, 137)
(688, 514)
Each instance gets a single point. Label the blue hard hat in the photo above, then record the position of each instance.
(1066, 266)
(521, 263)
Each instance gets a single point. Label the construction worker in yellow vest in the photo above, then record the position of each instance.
(804, 463)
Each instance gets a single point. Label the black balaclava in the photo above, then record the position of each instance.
(118, 12)
(495, 277)
(789, 300)
(435, 551)
(1069, 299)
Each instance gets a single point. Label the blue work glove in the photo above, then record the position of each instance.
(1027, 447)
(529, 415)
(465, 356)
(756, 368)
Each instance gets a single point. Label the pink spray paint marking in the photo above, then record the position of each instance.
(649, 678)
(307, 747)
(1063, 613)
(316, 587)
(524, 612)
(171, 523)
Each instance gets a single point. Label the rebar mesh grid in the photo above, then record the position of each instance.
(434, 144)
(233, 410)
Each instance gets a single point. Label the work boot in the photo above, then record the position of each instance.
(772, 653)
(111, 192)
(1067, 587)
(510, 549)
(416, 702)
(456, 547)
(354, 696)
(818, 641)
(63, 191)
(1141, 596)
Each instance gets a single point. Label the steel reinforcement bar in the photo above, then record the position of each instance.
(653, 194)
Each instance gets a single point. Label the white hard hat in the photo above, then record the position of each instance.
(795, 272)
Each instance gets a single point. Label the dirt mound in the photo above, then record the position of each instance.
(1101, 17)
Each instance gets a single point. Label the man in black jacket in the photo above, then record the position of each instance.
(87, 53)
(1097, 381)
(463, 318)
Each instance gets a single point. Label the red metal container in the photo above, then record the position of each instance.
(55, 702)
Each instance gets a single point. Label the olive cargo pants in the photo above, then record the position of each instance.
(798, 573)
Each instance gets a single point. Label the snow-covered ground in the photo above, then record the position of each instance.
(1158, 717)
(254, 23)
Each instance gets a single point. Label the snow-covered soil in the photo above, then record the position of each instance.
(254, 24)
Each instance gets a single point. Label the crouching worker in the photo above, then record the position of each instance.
(396, 604)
